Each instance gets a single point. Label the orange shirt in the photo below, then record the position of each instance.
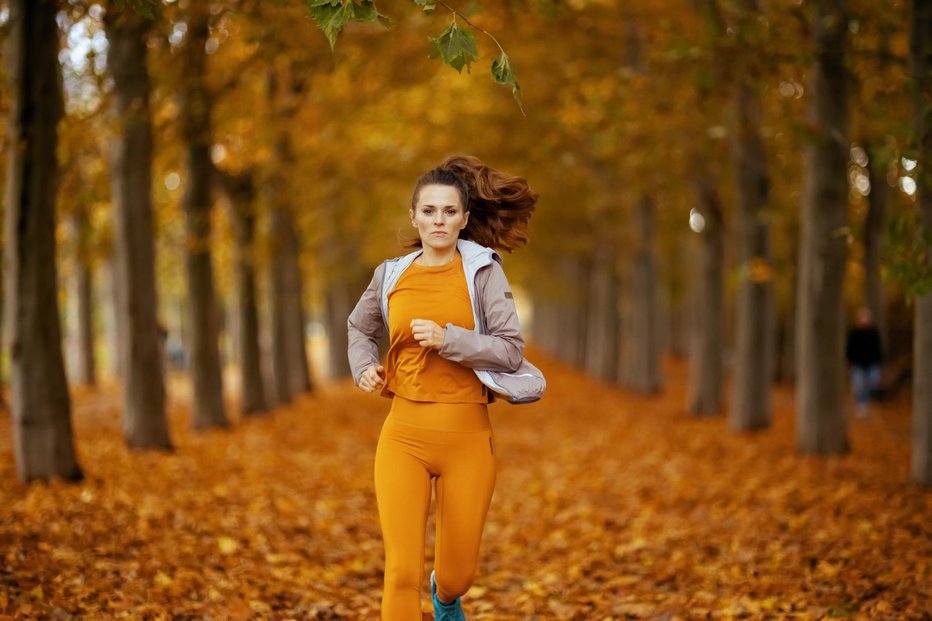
(418, 373)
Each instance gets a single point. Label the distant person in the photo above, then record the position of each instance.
(863, 353)
(449, 311)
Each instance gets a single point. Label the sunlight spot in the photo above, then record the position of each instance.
(696, 220)
(172, 181)
(218, 153)
(859, 156)
(908, 185)
(863, 185)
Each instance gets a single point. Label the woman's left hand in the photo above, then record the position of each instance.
(427, 333)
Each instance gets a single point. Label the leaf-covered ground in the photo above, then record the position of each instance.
(607, 506)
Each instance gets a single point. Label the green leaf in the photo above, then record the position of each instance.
(456, 47)
(502, 70)
(365, 11)
(504, 73)
(427, 6)
(332, 16)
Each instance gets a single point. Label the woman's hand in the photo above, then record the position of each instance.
(372, 378)
(427, 333)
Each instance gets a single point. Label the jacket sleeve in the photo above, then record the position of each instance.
(502, 349)
(364, 327)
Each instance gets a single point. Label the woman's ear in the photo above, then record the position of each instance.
(465, 220)
(411, 213)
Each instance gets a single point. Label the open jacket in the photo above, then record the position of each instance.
(495, 344)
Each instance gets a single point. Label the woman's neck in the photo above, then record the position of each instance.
(433, 258)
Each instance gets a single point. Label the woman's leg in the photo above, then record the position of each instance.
(464, 490)
(402, 489)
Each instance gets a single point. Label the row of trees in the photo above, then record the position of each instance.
(639, 120)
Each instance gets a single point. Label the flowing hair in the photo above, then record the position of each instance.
(500, 205)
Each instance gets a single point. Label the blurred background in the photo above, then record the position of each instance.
(721, 182)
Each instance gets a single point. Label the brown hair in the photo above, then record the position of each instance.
(499, 204)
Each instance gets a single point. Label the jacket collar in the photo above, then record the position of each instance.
(475, 257)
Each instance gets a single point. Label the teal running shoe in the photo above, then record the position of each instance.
(445, 612)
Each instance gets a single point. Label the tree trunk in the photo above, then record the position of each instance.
(281, 376)
(110, 305)
(298, 367)
(209, 409)
(820, 394)
(920, 52)
(874, 225)
(572, 336)
(755, 349)
(85, 368)
(601, 351)
(145, 424)
(41, 408)
(704, 393)
(678, 300)
(339, 306)
(240, 189)
(643, 363)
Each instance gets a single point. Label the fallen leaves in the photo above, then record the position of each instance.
(607, 506)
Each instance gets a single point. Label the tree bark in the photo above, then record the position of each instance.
(281, 376)
(821, 425)
(572, 336)
(209, 408)
(241, 192)
(110, 305)
(41, 408)
(85, 367)
(601, 349)
(921, 66)
(339, 306)
(298, 366)
(704, 393)
(755, 347)
(642, 367)
(145, 424)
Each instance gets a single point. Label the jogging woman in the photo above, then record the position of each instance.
(449, 310)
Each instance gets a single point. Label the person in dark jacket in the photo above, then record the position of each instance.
(863, 353)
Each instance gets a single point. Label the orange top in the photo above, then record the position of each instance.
(418, 373)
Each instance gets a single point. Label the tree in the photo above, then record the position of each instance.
(755, 348)
(820, 413)
(704, 393)
(196, 103)
(145, 424)
(240, 190)
(920, 52)
(41, 407)
(85, 365)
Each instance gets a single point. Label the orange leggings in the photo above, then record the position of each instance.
(451, 443)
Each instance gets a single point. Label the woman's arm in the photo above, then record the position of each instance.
(502, 349)
(364, 327)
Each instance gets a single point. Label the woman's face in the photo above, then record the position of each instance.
(439, 216)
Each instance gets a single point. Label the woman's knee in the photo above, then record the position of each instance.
(452, 584)
(402, 576)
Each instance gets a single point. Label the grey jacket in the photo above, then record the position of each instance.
(496, 343)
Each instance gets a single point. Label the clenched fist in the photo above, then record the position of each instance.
(427, 333)
(372, 378)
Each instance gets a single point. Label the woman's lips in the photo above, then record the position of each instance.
(439, 233)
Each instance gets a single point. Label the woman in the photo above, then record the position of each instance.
(448, 309)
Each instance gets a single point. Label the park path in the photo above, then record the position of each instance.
(607, 506)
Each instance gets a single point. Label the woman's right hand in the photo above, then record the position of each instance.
(372, 378)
